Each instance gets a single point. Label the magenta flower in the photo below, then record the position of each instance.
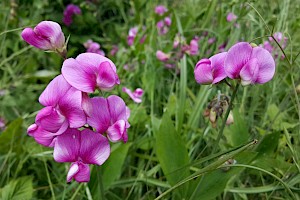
(108, 115)
(160, 9)
(131, 35)
(136, 96)
(70, 10)
(194, 48)
(47, 35)
(63, 109)
(250, 64)
(90, 71)
(231, 17)
(211, 40)
(162, 56)
(168, 21)
(114, 50)
(2, 124)
(81, 148)
(93, 47)
(210, 71)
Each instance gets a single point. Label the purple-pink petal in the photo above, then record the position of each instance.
(107, 77)
(94, 148)
(41, 136)
(79, 171)
(55, 90)
(249, 72)
(203, 72)
(266, 64)
(217, 65)
(237, 56)
(35, 40)
(67, 146)
(116, 131)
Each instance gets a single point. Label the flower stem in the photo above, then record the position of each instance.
(226, 116)
(100, 183)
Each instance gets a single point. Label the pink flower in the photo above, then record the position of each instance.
(267, 45)
(93, 47)
(114, 50)
(47, 35)
(136, 96)
(2, 124)
(89, 71)
(131, 35)
(231, 17)
(250, 64)
(108, 115)
(162, 56)
(69, 12)
(194, 48)
(210, 71)
(81, 148)
(211, 40)
(62, 110)
(160, 9)
(168, 21)
(280, 39)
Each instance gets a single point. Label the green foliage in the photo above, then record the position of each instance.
(16, 189)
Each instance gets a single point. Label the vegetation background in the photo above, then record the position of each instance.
(169, 138)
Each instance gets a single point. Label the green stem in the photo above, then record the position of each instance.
(226, 116)
(100, 183)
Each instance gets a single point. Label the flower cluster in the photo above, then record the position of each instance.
(249, 63)
(70, 10)
(271, 45)
(93, 47)
(78, 127)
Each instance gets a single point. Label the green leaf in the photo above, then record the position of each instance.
(17, 189)
(112, 168)
(171, 151)
(11, 137)
(268, 143)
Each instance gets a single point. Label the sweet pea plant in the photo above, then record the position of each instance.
(76, 126)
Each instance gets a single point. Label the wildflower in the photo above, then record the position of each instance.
(2, 124)
(168, 21)
(47, 35)
(194, 48)
(131, 35)
(70, 10)
(114, 50)
(211, 40)
(231, 17)
(93, 47)
(162, 56)
(81, 148)
(108, 115)
(163, 25)
(62, 110)
(160, 9)
(210, 71)
(89, 71)
(250, 64)
(136, 96)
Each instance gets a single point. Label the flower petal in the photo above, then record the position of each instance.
(238, 55)
(56, 89)
(70, 106)
(81, 77)
(33, 39)
(266, 65)
(93, 60)
(83, 175)
(67, 145)
(74, 168)
(115, 132)
(249, 72)
(98, 114)
(107, 77)
(50, 119)
(52, 31)
(41, 136)
(132, 95)
(217, 64)
(117, 108)
(203, 72)
(94, 147)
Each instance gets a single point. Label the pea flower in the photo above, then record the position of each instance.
(70, 10)
(194, 47)
(47, 35)
(250, 64)
(136, 96)
(81, 148)
(62, 110)
(108, 115)
(90, 71)
(210, 71)
(231, 17)
(160, 9)
(93, 47)
(162, 56)
(131, 35)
